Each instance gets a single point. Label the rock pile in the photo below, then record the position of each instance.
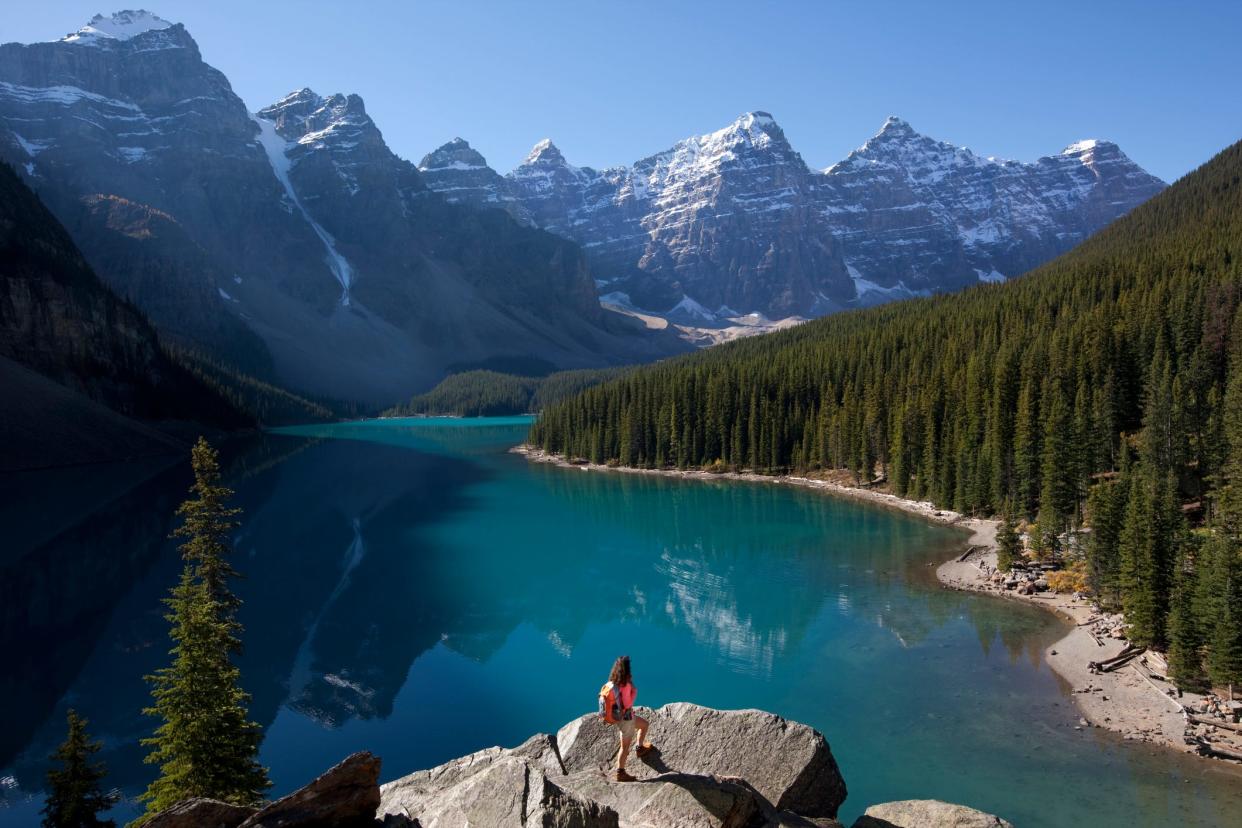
(711, 769)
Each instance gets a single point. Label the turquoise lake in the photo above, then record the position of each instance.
(406, 581)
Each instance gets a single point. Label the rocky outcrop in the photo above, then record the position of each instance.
(712, 768)
(344, 797)
(201, 813)
(926, 813)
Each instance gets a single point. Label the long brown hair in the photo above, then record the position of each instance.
(620, 675)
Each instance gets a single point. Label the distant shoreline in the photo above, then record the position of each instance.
(1126, 701)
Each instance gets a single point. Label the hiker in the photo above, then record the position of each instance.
(616, 707)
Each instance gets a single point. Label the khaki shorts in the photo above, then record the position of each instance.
(627, 728)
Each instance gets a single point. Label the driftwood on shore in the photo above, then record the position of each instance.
(970, 550)
(1212, 749)
(1107, 665)
(1237, 728)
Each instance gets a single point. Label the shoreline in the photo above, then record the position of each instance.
(1132, 701)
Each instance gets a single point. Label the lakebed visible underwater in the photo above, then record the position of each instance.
(413, 589)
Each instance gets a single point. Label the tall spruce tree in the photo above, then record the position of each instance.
(1186, 633)
(205, 744)
(1224, 589)
(75, 798)
(1008, 544)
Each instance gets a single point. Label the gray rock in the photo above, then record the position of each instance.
(926, 813)
(502, 788)
(712, 768)
(201, 813)
(789, 764)
(346, 796)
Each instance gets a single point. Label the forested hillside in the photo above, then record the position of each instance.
(491, 393)
(1103, 388)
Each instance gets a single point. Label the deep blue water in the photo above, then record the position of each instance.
(402, 577)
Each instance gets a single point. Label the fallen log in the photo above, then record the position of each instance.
(1120, 660)
(970, 550)
(1237, 728)
(1215, 750)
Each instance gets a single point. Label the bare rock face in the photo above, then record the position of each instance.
(712, 768)
(292, 242)
(344, 797)
(734, 222)
(201, 813)
(927, 813)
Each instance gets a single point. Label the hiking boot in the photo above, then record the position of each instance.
(643, 750)
(622, 775)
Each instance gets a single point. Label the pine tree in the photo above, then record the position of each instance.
(1106, 509)
(1186, 638)
(205, 745)
(75, 798)
(1008, 544)
(1059, 464)
(1225, 613)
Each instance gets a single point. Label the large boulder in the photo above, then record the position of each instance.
(347, 796)
(713, 769)
(503, 790)
(520, 786)
(787, 763)
(201, 813)
(926, 813)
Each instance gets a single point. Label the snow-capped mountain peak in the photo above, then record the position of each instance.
(455, 155)
(734, 217)
(545, 152)
(1081, 147)
(895, 127)
(119, 26)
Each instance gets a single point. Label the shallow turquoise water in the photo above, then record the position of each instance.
(405, 577)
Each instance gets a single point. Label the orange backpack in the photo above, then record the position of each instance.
(609, 704)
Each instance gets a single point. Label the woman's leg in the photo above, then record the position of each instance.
(641, 725)
(626, 742)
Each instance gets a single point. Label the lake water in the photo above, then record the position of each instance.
(406, 581)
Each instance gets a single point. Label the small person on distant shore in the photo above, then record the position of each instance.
(616, 707)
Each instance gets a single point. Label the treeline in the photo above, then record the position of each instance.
(1100, 389)
(492, 394)
(260, 401)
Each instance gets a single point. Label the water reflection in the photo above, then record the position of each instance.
(408, 568)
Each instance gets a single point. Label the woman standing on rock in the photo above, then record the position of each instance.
(616, 702)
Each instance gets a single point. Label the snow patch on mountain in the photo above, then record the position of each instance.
(63, 95)
(122, 25)
(277, 150)
(687, 307)
(32, 148)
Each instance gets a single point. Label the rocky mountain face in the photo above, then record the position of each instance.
(82, 369)
(734, 223)
(291, 243)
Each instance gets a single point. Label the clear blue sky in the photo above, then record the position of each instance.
(611, 82)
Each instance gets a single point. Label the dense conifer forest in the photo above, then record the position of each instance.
(492, 394)
(1103, 389)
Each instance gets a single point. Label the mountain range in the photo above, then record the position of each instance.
(293, 245)
(291, 242)
(734, 223)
